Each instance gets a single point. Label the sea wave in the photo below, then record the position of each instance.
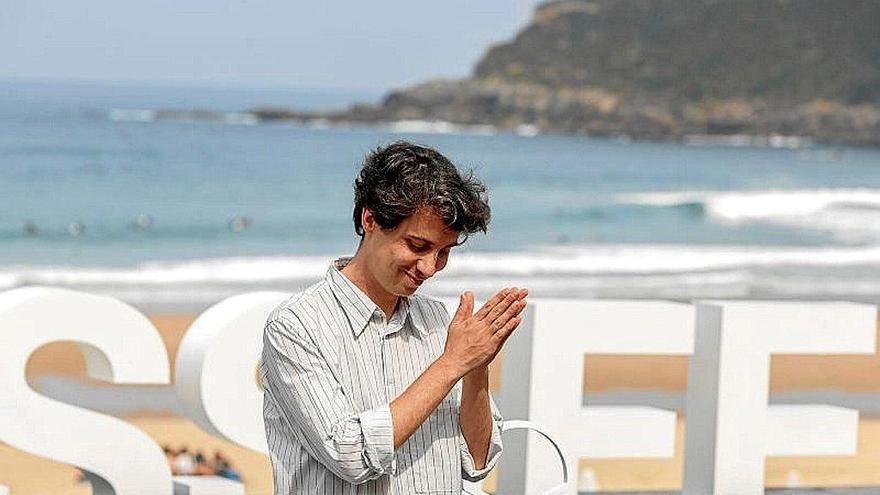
(131, 115)
(246, 118)
(215, 270)
(551, 262)
(742, 140)
(439, 127)
(589, 271)
(850, 215)
(657, 258)
(146, 115)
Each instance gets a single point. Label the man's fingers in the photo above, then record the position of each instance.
(503, 306)
(507, 329)
(514, 309)
(488, 305)
(465, 306)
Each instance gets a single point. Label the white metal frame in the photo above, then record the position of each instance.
(471, 488)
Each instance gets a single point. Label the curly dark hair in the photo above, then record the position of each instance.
(402, 177)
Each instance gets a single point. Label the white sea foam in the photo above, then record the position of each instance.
(551, 263)
(131, 115)
(851, 215)
(713, 284)
(208, 271)
(739, 140)
(620, 271)
(657, 258)
(137, 115)
(439, 127)
(320, 124)
(527, 130)
(240, 118)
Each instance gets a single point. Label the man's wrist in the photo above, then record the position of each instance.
(450, 369)
(477, 377)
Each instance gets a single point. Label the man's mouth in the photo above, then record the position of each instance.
(416, 280)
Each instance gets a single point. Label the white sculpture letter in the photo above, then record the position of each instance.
(216, 381)
(542, 382)
(729, 426)
(215, 368)
(121, 346)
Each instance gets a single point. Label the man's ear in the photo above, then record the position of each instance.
(368, 220)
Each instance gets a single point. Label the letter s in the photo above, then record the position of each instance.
(121, 346)
(215, 368)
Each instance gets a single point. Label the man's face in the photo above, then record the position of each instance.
(402, 258)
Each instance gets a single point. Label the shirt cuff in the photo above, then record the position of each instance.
(471, 473)
(379, 440)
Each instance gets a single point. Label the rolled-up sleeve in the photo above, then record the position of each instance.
(468, 469)
(378, 439)
(357, 446)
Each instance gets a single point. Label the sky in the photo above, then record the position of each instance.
(371, 45)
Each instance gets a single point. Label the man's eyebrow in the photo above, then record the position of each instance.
(431, 243)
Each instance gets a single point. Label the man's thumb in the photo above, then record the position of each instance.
(465, 306)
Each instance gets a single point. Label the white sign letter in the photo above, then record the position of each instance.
(120, 346)
(215, 368)
(542, 382)
(729, 426)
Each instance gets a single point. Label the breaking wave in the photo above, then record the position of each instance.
(627, 271)
(850, 215)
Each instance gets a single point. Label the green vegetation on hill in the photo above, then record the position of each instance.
(666, 69)
(783, 51)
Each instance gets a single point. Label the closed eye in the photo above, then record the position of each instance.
(417, 246)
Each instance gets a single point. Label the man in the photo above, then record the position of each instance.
(368, 387)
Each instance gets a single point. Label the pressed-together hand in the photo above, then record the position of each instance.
(474, 339)
(472, 342)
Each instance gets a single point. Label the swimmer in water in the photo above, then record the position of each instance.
(76, 228)
(142, 223)
(30, 228)
(239, 223)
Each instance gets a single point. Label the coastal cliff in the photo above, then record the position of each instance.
(664, 69)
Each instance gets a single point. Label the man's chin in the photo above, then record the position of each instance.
(408, 291)
(409, 285)
(407, 288)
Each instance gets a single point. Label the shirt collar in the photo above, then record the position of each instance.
(358, 307)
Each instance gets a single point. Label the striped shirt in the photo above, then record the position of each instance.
(331, 366)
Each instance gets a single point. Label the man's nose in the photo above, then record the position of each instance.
(427, 265)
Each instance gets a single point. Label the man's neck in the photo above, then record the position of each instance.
(357, 272)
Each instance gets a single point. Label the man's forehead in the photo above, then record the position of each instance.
(426, 224)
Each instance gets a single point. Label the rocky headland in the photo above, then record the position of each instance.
(663, 69)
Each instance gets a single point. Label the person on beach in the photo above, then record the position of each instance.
(369, 387)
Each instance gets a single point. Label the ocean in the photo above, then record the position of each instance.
(99, 193)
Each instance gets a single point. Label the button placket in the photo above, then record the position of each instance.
(387, 367)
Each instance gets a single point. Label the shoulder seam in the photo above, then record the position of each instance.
(289, 305)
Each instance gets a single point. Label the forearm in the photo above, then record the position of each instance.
(475, 414)
(411, 408)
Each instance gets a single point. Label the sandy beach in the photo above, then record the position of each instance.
(588, 150)
(27, 474)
